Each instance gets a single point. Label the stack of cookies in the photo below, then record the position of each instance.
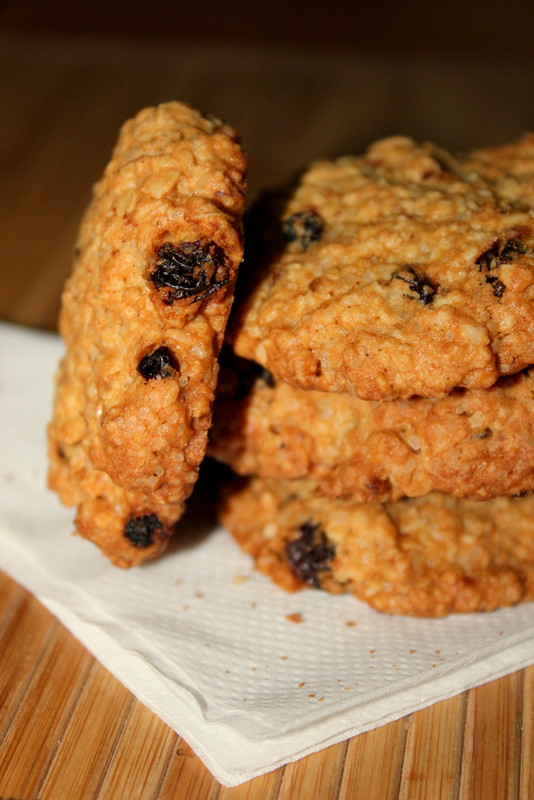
(376, 397)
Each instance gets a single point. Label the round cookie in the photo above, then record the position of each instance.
(403, 272)
(473, 443)
(143, 318)
(428, 556)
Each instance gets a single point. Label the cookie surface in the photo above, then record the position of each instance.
(508, 169)
(143, 317)
(403, 272)
(428, 556)
(473, 443)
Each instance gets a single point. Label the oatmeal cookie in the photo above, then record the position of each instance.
(143, 318)
(403, 272)
(474, 443)
(428, 556)
(508, 169)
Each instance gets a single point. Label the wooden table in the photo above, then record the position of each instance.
(68, 729)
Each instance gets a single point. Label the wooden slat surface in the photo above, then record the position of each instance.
(68, 729)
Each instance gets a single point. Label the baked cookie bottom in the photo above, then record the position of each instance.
(425, 557)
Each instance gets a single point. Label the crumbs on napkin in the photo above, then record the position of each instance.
(296, 617)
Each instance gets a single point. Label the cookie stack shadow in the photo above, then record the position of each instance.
(375, 399)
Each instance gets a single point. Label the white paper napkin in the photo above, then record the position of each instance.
(207, 643)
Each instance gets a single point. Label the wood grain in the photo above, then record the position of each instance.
(318, 775)
(526, 771)
(68, 729)
(36, 730)
(373, 764)
(432, 756)
(493, 717)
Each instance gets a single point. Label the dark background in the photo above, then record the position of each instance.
(454, 27)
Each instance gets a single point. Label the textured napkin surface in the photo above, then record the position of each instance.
(250, 676)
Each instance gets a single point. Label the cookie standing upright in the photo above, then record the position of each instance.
(403, 272)
(143, 317)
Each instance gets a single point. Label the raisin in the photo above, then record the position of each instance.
(310, 554)
(247, 373)
(511, 250)
(497, 285)
(304, 227)
(190, 270)
(159, 364)
(418, 283)
(500, 253)
(489, 258)
(142, 530)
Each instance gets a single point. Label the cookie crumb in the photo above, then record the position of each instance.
(296, 617)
